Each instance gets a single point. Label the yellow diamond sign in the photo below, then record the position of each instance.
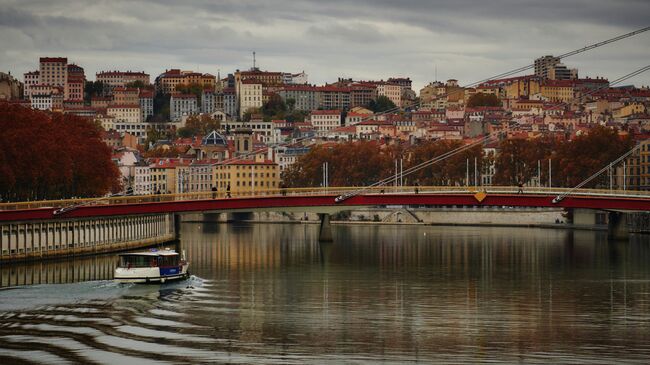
(480, 196)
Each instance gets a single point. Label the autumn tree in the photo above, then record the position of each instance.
(350, 164)
(164, 151)
(586, 154)
(52, 156)
(448, 172)
(518, 159)
(199, 125)
(482, 99)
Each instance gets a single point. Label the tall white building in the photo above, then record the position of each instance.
(182, 105)
(250, 96)
(142, 180)
(31, 79)
(53, 71)
(146, 104)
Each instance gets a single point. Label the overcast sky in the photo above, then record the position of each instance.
(363, 39)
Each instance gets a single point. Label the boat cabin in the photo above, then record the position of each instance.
(149, 259)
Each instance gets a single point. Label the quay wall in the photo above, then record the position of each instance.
(36, 240)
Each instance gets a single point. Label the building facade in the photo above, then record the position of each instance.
(181, 105)
(325, 120)
(250, 96)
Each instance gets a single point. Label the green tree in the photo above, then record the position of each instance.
(194, 89)
(275, 107)
(381, 104)
(291, 104)
(161, 108)
(138, 84)
(93, 89)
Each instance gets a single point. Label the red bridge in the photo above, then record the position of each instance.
(30, 227)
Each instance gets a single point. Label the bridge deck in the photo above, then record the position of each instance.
(323, 200)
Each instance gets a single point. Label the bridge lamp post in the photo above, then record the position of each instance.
(326, 174)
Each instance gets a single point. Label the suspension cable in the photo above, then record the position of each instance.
(560, 197)
(480, 141)
(528, 67)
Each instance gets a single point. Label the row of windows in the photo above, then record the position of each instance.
(267, 167)
(260, 183)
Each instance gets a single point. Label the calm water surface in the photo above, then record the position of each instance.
(270, 293)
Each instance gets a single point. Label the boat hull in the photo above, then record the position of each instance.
(151, 274)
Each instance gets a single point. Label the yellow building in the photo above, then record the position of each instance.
(126, 96)
(170, 176)
(522, 87)
(558, 90)
(266, 78)
(247, 176)
(628, 110)
(166, 82)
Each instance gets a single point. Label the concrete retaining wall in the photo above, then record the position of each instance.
(61, 237)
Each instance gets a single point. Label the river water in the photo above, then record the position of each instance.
(271, 293)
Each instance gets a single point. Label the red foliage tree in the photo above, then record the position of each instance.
(517, 160)
(586, 154)
(350, 164)
(52, 156)
(451, 171)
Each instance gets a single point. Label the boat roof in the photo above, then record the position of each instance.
(151, 253)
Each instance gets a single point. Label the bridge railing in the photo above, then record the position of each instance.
(333, 191)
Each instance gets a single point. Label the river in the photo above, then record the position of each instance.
(271, 293)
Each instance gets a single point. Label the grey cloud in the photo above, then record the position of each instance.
(467, 40)
(356, 33)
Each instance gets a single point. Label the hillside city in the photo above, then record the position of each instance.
(185, 131)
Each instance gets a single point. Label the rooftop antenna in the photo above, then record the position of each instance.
(436, 72)
(253, 60)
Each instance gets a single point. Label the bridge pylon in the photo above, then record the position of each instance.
(325, 231)
(617, 228)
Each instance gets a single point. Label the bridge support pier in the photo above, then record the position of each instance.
(617, 226)
(325, 232)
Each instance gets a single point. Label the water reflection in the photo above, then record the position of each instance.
(60, 271)
(274, 294)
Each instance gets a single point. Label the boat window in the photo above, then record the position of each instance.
(136, 261)
(169, 261)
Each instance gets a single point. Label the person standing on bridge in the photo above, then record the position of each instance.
(520, 185)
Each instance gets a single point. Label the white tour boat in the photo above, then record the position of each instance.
(151, 266)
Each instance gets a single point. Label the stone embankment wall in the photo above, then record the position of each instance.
(61, 237)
